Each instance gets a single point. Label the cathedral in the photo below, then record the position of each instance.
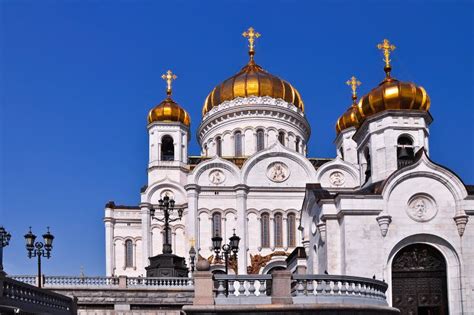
(381, 208)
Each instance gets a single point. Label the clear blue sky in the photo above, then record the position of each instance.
(78, 78)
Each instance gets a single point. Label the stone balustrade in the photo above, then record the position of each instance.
(168, 282)
(243, 289)
(338, 289)
(20, 297)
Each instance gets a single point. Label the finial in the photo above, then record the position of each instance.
(169, 77)
(387, 48)
(251, 35)
(354, 83)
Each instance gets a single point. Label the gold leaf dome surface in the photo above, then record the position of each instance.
(169, 111)
(392, 94)
(351, 118)
(252, 80)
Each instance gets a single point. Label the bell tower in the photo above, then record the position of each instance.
(168, 131)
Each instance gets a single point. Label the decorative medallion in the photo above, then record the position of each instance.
(217, 177)
(278, 172)
(337, 179)
(421, 208)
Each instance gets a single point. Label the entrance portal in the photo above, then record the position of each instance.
(419, 281)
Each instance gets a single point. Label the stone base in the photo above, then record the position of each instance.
(294, 309)
(167, 265)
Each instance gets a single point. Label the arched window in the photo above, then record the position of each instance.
(219, 146)
(128, 253)
(167, 149)
(405, 152)
(281, 137)
(238, 143)
(265, 229)
(216, 224)
(260, 139)
(368, 171)
(291, 222)
(278, 230)
(205, 150)
(297, 144)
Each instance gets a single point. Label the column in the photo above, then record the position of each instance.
(284, 232)
(242, 227)
(109, 239)
(146, 232)
(191, 216)
(109, 245)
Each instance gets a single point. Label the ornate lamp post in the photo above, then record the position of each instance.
(167, 206)
(227, 249)
(167, 264)
(39, 249)
(4, 241)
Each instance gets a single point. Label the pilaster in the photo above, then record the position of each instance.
(146, 232)
(241, 205)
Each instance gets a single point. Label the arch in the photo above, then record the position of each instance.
(238, 143)
(128, 253)
(274, 265)
(281, 151)
(405, 151)
(435, 172)
(335, 164)
(219, 146)
(278, 227)
(449, 254)
(167, 148)
(180, 193)
(260, 134)
(265, 230)
(291, 229)
(215, 162)
(281, 137)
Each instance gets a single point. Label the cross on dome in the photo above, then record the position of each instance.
(354, 83)
(169, 77)
(251, 35)
(387, 48)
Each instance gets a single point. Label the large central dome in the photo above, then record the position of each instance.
(252, 80)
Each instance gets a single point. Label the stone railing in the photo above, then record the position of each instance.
(72, 281)
(243, 289)
(20, 297)
(338, 289)
(122, 282)
(160, 282)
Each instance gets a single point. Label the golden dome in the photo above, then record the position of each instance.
(352, 117)
(252, 80)
(168, 110)
(390, 94)
(396, 95)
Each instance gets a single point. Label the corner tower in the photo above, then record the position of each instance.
(168, 131)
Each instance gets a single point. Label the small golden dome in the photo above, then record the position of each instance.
(169, 111)
(394, 94)
(352, 117)
(252, 80)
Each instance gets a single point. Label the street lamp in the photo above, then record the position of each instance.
(39, 249)
(4, 241)
(227, 249)
(167, 206)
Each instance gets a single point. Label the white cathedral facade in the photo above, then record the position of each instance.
(381, 208)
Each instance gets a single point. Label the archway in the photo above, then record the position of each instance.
(419, 285)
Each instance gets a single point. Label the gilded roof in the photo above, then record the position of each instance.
(252, 80)
(169, 111)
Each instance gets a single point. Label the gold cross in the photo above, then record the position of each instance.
(387, 48)
(251, 35)
(169, 77)
(354, 83)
